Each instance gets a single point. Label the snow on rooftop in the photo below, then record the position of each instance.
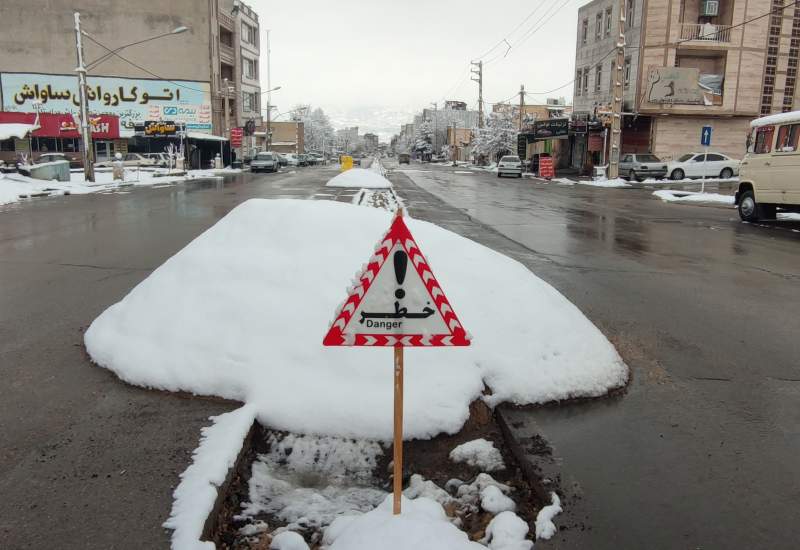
(241, 311)
(780, 118)
(360, 178)
(10, 130)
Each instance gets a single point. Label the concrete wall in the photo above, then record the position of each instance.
(39, 36)
(675, 135)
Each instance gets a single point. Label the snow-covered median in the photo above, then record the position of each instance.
(240, 313)
(668, 195)
(616, 182)
(363, 178)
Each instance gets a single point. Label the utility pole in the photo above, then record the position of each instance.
(521, 104)
(616, 105)
(86, 135)
(226, 100)
(435, 124)
(479, 73)
(269, 98)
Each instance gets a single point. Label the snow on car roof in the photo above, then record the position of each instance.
(780, 118)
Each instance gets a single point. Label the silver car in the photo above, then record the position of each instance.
(638, 167)
(510, 164)
(265, 162)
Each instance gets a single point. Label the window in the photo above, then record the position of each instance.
(763, 142)
(629, 13)
(584, 31)
(598, 75)
(7, 144)
(627, 71)
(578, 82)
(711, 157)
(598, 26)
(249, 34)
(249, 101)
(787, 138)
(614, 76)
(627, 158)
(608, 22)
(249, 68)
(585, 81)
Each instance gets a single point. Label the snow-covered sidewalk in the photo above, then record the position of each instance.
(671, 195)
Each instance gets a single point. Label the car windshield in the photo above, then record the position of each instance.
(264, 156)
(647, 158)
(509, 159)
(686, 157)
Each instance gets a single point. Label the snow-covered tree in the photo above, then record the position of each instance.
(498, 137)
(317, 129)
(423, 139)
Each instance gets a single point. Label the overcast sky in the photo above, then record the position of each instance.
(399, 56)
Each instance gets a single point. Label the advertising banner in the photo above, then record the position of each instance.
(65, 126)
(132, 100)
(675, 85)
(554, 128)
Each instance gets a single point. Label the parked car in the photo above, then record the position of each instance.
(130, 159)
(160, 159)
(318, 159)
(770, 174)
(697, 165)
(282, 160)
(302, 160)
(292, 159)
(637, 167)
(404, 158)
(509, 164)
(265, 162)
(75, 160)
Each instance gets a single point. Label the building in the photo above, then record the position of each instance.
(536, 116)
(459, 140)
(455, 112)
(287, 137)
(347, 139)
(371, 142)
(167, 68)
(688, 63)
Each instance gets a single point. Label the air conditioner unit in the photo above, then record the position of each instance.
(710, 8)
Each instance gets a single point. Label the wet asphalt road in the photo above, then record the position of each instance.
(700, 452)
(703, 449)
(86, 461)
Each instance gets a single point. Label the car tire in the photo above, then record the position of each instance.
(519, 175)
(726, 174)
(677, 174)
(499, 175)
(749, 209)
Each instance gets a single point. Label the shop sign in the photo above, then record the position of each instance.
(674, 85)
(157, 128)
(236, 136)
(132, 100)
(66, 125)
(595, 142)
(554, 128)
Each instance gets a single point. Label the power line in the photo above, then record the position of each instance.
(506, 37)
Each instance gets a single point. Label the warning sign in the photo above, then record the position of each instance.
(397, 301)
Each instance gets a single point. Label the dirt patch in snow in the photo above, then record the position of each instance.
(239, 529)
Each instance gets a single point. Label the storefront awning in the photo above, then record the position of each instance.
(15, 130)
(206, 137)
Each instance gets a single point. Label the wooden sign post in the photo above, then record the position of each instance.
(397, 306)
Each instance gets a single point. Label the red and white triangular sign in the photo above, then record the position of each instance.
(397, 301)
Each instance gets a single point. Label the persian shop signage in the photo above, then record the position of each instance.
(133, 100)
(64, 125)
(674, 85)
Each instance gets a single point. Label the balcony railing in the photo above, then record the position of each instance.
(226, 21)
(226, 53)
(706, 32)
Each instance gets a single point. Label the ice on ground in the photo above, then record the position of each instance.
(423, 525)
(616, 182)
(462, 172)
(545, 528)
(507, 531)
(494, 501)
(359, 178)
(241, 311)
(480, 453)
(668, 195)
(195, 495)
(288, 540)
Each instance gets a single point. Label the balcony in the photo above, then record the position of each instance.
(706, 33)
(226, 21)
(226, 53)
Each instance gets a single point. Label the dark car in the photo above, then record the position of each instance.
(404, 158)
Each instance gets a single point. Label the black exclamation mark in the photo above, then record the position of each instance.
(400, 264)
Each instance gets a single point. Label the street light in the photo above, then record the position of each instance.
(96, 62)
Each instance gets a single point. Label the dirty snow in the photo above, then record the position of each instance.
(480, 453)
(564, 181)
(423, 525)
(241, 311)
(669, 195)
(507, 531)
(195, 495)
(545, 528)
(616, 182)
(364, 178)
(494, 501)
(385, 199)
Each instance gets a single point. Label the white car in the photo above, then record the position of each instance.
(697, 165)
(130, 159)
(292, 159)
(509, 164)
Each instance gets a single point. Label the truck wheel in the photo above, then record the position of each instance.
(726, 174)
(677, 174)
(748, 208)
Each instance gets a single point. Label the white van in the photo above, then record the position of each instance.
(769, 177)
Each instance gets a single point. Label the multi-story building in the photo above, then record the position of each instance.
(167, 66)
(371, 142)
(455, 112)
(688, 63)
(287, 137)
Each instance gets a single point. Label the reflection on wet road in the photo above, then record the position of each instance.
(702, 450)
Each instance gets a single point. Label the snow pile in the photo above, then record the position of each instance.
(463, 173)
(10, 130)
(197, 492)
(507, 531)
(789, 216)
(418, 486)
(668, 195)
(480, 453)
(287, 540)
(359, 178)
(494, 501)
(616, 182)
(545, 528)
(423, 525)
(385, 199)
(241, 311)
(563, 181)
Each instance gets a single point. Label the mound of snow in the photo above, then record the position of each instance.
(480, 453)
(241, 311)
(288, 540)
(545, 528)
(668, 195)
(507, 531)
(423, 525)
(616, 182)
(360, 178)
(494, 501)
